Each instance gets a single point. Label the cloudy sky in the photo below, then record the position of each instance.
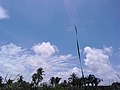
(40, 33)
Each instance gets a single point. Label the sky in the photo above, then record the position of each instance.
(40, 33)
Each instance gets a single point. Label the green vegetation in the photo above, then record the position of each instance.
(73, 83)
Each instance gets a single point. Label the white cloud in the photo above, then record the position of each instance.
(76, 70)
(107, 50)
(66, 74)
(97, 62)
(45, 49)
(16, 60)
(10, 49)
(3, 13)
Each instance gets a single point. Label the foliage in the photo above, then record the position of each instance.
(74, 82)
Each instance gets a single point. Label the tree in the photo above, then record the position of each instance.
(9, 84)
(34, 79)
(116, 86)
(94, 80)
(64, 83)
(20, 79)
(57, 80)
(97, 81)
(91, 79)
(1, 81)
(21, 83)
(54, 81)
(73, 79)
(37, 77)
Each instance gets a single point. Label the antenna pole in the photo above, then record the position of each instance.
(79, 55)
(78, 51)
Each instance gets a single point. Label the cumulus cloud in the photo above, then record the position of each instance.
(66, 74)
(17, 60)
(3, 13)
(97, 62)
(45, 49)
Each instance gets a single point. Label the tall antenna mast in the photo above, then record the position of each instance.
(78, 51)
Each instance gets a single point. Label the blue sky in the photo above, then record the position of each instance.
(27, 25)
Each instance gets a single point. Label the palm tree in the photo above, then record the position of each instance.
(57, 80)
(34, 79)
(73, 79)
(37, 77)
(1, 81)
(21, 83)
(94, 80)
(20, 79)
(97, 81)
(91, 79)
(54, 81)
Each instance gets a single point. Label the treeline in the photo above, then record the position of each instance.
(89, 82)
